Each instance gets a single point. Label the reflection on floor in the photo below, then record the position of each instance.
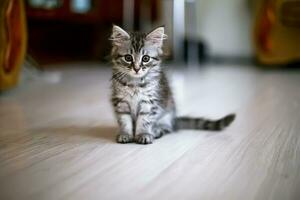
(57, 138)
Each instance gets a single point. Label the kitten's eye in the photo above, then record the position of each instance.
(128, 58)
(145, 58)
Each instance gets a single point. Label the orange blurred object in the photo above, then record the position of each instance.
(12, 41)
(277, 31)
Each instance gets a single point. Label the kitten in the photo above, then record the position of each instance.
(141, 96)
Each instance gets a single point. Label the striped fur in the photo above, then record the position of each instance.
(204, 124)
(141, 96)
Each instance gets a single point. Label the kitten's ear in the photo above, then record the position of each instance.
(118, 35)
(156, 36)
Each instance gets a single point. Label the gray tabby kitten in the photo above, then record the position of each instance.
(141, 96)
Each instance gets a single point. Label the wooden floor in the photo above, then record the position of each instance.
(57, 139)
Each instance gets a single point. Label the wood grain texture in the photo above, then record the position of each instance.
(57, 139)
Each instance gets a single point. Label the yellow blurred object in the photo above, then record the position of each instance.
(13, 39)
(277, 31)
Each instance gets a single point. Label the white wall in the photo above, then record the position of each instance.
(225, 25)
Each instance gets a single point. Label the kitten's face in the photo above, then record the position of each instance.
(136, 54)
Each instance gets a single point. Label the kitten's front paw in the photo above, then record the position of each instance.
(124, 138)
(144, 138)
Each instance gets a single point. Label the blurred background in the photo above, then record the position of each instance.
(46, 32)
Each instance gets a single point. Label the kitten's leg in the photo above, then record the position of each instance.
(125, 133)
(143, 134)
(125, 123)
(147, 117)
(164, 125)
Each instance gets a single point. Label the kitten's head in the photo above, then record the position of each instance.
(136, 54)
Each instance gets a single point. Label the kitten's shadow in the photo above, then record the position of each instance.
(103, 133)
(78, 134)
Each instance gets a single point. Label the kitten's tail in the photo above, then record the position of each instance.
(204, 124)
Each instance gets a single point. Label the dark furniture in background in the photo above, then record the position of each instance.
(59, 34)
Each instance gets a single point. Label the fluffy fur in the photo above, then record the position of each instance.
(141, 96)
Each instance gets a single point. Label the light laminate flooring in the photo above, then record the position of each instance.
(57, 138)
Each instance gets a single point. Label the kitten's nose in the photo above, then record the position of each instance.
(136, 69)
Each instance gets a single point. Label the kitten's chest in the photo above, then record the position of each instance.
(135, 95)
